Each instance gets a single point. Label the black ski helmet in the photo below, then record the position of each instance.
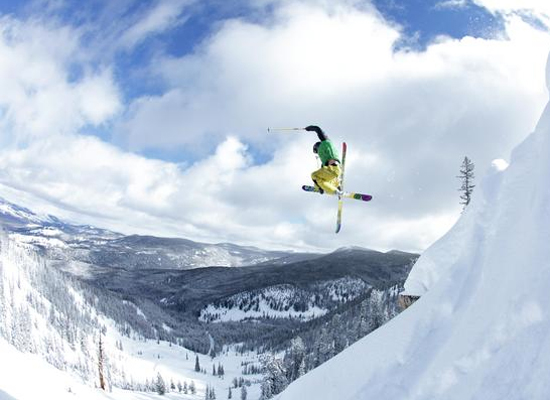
(316, 147)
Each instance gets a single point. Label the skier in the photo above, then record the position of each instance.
(326, 178)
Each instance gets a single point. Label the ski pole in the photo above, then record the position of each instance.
(284, 129)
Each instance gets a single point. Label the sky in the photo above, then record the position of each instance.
(151, 117)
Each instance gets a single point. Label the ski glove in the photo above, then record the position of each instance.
(319, 131)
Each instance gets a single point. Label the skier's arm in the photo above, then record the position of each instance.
(319, 131)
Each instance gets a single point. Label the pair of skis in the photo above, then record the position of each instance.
(342, 195)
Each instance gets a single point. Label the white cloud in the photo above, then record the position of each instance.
(250, 75)
(416, 113)
(36, 95)
(86, 178)
(164, 15)
(452, 4)
(536, 10)
(409, 119)
(536, 6)
(98, 97)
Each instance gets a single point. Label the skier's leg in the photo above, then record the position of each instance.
(327, 178)
(333, 183)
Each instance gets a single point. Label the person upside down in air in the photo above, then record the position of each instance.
(326, 178)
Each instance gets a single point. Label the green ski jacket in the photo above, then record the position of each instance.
(327, 151)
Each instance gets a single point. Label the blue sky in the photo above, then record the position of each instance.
(423, 20)
(161, 109)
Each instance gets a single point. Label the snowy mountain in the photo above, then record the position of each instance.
(481, 328)
(52, 338)
(84, 245)
(67, 291)
(252, 305)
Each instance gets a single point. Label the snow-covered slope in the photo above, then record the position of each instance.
(285, 301)
(49, 342)
(437, 260)
(481, 330)
(27, 376)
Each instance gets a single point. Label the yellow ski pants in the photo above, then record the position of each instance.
(327, 178)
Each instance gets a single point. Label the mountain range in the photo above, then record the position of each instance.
(204, 297)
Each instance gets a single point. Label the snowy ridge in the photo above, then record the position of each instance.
(172, 253)
(49, 333)
(284, 301)
(481, 330)
(437, 260)
(87, 244)
(32, 322)
(21, 214)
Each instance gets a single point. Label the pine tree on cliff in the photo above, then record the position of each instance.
(467, 177)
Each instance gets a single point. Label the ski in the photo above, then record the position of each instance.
(347, 195)
(340, 200)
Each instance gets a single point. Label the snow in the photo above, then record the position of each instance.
(24, 214)
(273, 302)
(38, 240)
(26, 319)
(143, 360)
(26, 376)
(223, 314)
(446, 252)
(138, 310)
(481, 329)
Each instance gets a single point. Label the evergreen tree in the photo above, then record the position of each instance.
(229, 394)
(275, 379)
(467, 178)
(243, 393)
(197, 364)
(294, 362)
(192, 387)
(160, 386)
(210, 393)
(100, 362)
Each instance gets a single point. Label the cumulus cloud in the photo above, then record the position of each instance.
(37, 97)
(415, 113)
(132, 194)
(408, 117)
(249, 74)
